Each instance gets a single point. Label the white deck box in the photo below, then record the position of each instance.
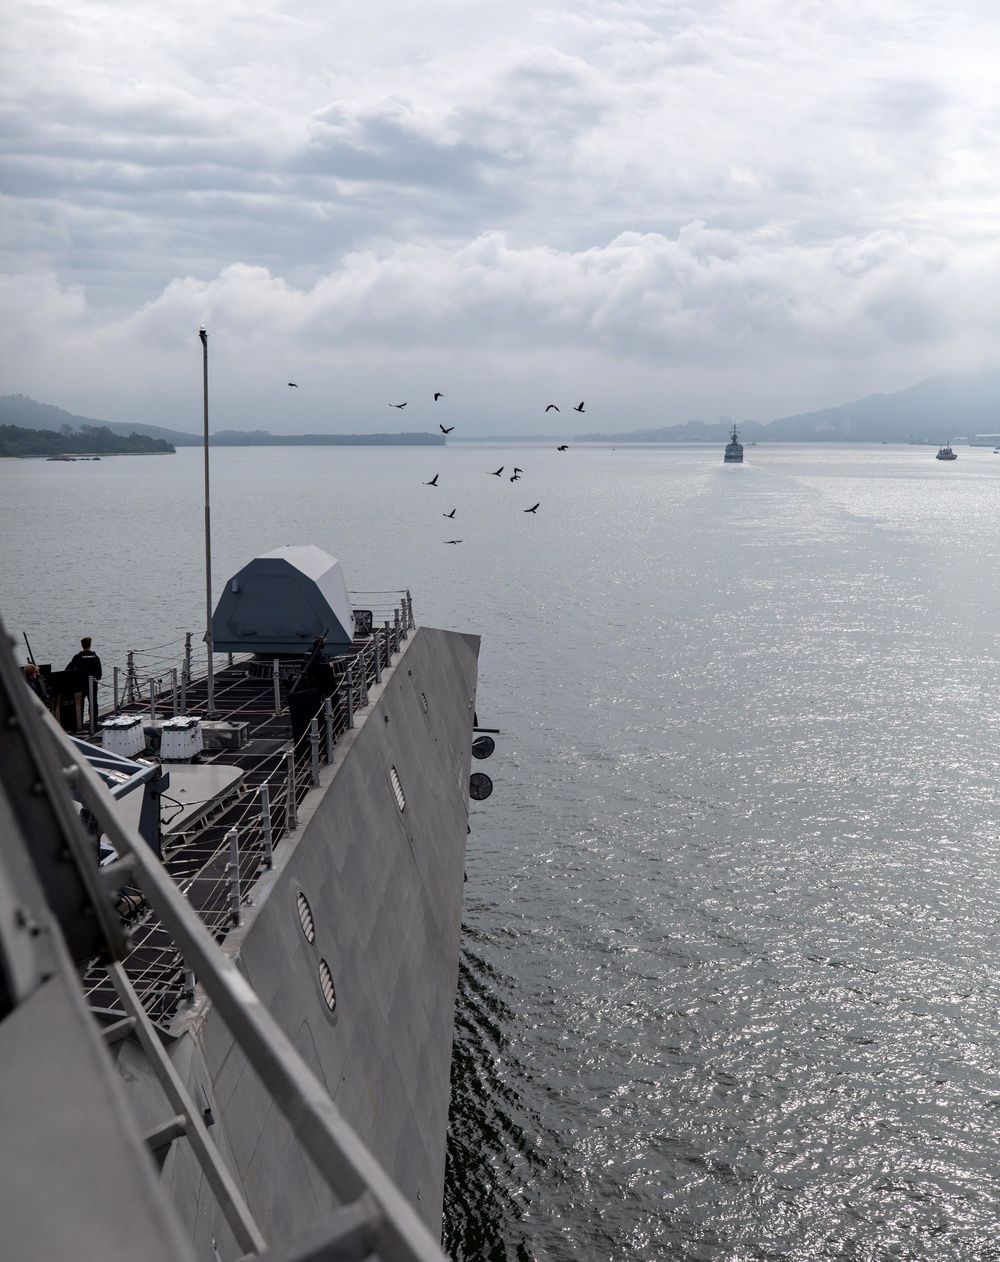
(124, 735)
(180, 739)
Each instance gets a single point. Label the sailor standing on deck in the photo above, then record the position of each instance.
(33, 678)
(88, 663)
(317, 670)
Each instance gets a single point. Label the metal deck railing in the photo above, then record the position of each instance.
(216, 861)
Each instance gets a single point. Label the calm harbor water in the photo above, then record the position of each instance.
(730, 984)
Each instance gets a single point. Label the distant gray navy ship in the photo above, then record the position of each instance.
(734, 449)
(229, 939)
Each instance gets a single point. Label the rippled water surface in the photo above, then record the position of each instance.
(730, 982)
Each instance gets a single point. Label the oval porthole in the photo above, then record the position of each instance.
(326, 983)
(306, 917)
(397, 788)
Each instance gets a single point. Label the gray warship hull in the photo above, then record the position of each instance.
(384, 889)
(350, 942)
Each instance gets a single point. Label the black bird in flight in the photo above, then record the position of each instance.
(515, 477)
(294, 385)
(445, 429)
(563, 447)
(433, 481)
(517, 470)
(579, 407)
(497, 472)
(453, 541)
(397, 405)
(439, 395)
(551, 407)
(451, 514)
(533, 509)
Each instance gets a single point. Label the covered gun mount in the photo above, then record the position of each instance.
(278, 603)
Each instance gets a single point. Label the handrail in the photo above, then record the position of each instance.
(153, 665)
(189, 1119)
(197, 855)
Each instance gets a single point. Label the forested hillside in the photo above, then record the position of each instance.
(89, 440)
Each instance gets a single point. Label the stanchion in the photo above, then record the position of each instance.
(265, 825)
(328, 727)
(233, 868)
(314, 749)
(363, 685)
(291, 810)
(186, 672)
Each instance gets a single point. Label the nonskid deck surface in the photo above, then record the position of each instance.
(199, 859)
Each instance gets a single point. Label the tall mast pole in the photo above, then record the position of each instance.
(210, 711)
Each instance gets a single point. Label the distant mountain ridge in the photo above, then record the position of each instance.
(932, 411)
(19, 410)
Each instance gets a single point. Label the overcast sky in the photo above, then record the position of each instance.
(670, 210)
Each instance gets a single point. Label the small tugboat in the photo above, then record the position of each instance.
(946, 453)
(734, 449)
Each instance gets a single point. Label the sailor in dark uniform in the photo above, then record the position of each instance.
(88, 663)
(316, 668)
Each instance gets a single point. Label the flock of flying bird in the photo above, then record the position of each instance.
(496, 473)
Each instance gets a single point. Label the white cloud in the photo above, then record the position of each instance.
(521, 188)
(647, 316)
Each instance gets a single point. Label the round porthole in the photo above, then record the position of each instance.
(480, 786)
(326, 983)
(397, 788)
(306, 917)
